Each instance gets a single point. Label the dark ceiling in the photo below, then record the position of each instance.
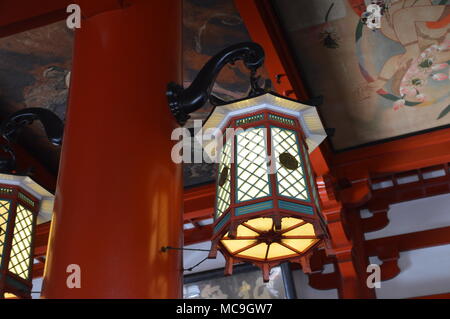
(34, 67)
(33, 70)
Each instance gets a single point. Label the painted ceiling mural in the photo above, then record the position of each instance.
(34, 66)
(377, 84)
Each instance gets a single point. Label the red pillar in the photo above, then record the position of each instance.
(119, 195)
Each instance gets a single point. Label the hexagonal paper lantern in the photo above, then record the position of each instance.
(267, 206)
(23, 205)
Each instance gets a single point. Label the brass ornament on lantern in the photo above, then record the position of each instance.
(288, 161)
(267, 211)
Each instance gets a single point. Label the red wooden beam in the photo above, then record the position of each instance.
(411, 241)
(405, 154)
(38, 270)
(21, 15)
(199, 202)
(264, 29)
(411, 191)
(41, 239)
(197, 235)
(438, 296)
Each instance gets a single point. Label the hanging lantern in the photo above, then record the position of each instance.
(267, 206)
(23, 205)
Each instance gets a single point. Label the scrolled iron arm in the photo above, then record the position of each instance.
(182, 101)
(11, 126)
(53, 125)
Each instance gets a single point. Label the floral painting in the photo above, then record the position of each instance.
(247, 284)
(378, 83)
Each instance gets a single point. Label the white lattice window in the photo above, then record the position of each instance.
(4, 213)
(224, 179)
(290, 182)
(19, 262)
(252, 170)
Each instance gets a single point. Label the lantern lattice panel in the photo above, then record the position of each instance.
(21, 247)
(291, 183)
(271, 213)
(4, 215)
(223, 191)
(252, 172)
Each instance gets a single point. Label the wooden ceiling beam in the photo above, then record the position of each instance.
(438, 296)
(197, 235)
(22, 15)
(38, 270)
(409, 153)
(410, 241)
(199, 202)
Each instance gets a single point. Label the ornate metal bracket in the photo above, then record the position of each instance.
(12, 125)
(182, 101)
(53, 125)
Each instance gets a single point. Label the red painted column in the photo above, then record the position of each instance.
(119, 195)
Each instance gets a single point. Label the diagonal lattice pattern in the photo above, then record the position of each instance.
(291, 183)
(4, 213)
(19, 262)
(252, 172)
(223, 191)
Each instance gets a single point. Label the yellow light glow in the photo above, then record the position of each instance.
(256, 239)
(277, 251)
(260, 224)
(259, 251)
(233, 245)
(288, 222)
(243, 231)
(305, 230)
(299, 244)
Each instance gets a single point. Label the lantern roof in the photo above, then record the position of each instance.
(306, 114)
(45, 198)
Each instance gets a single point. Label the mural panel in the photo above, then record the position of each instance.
(378, 84)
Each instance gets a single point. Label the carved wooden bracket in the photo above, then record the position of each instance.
(389, 255)
(322, 281)
(379, 219)
(357, 194)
